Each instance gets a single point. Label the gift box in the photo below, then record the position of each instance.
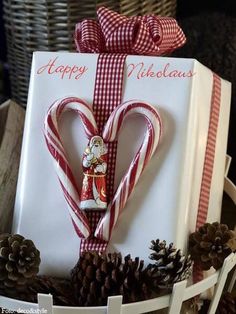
(185, 172)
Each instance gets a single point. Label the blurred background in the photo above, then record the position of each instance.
(210, 27)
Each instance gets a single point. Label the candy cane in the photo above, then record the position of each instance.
(144, 154)
(64, 172)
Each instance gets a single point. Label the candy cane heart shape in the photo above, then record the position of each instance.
(62, 166)
(142, 157)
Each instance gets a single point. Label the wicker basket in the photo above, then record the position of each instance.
(49, 25)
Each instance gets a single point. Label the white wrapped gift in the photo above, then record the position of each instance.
(165, 201)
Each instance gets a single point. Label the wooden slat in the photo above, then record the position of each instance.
(11, 131)
(3, 118)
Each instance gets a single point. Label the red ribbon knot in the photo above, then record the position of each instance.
(138, 35)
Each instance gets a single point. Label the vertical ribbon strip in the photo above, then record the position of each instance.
(208, 162)
(107, 96)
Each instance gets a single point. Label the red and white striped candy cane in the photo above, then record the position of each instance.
(142, 157)
(63, 169)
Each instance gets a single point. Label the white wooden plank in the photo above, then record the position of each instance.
(114, 305)
(229, 262)
(201, 286)
(228, 160)
(147, 306)
(230, 189)
(232, 281)
(45, 303)
(79, 310)
(177, 297)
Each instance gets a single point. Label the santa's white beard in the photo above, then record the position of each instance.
(97, 151)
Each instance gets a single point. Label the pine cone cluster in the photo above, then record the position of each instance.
(170, 265)
(19, 263)
(211, 244)
(97, 276)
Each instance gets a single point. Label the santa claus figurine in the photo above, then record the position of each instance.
(93, 193)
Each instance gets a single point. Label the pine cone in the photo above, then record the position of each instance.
(190, 306)
(211, 244)
(227, 305)
(97, 276)
(170, 265)
(19, 263)
(59, 288)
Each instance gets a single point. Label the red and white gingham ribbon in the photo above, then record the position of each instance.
(107, 96)
(118, 35)
(114, 36)
(110, 133)
(114, 33)
(210, 152)
(208, 163)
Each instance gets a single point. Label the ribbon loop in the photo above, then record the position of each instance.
(114, 33)
(89, 37)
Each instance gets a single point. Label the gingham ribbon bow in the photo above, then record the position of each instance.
(114, 33)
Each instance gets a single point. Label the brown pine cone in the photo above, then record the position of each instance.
(227, 305)
(97, 276)
(170, 265)
(19, 263)
(190, 306)
(211, 244)
(60, 289)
